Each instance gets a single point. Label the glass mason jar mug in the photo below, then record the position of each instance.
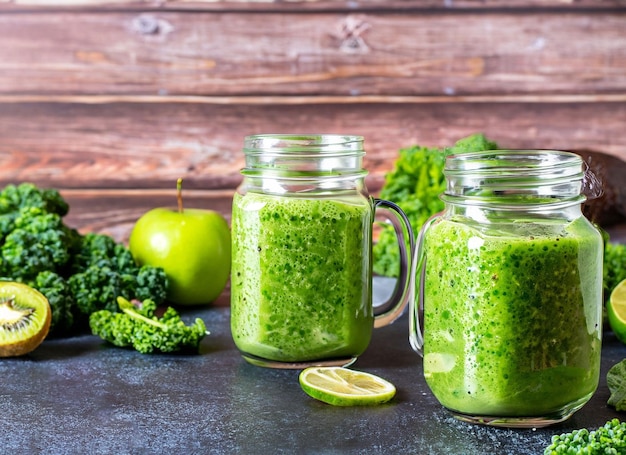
(301, 281)
(510, 290)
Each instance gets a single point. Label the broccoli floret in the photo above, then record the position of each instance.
(608, 439)
(137, 327)
(415, 184)
(57, 291)
(39, 241)
(14, 198)
(614, 266)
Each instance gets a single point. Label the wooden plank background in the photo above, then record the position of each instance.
(112, 101)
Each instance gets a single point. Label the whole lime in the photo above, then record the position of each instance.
(193, 248)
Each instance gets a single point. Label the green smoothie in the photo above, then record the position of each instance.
(301, 286)
(512, 324)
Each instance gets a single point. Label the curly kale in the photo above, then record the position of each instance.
(102, 251)
(57, 291)
(79, 274)
(472, 143)
(614, 266)
(27, 195)
(137, 327)
(151, 283)
(38, 242)
(415, 184)
(96, 288)
(7, 223)
(104, 270)
(608, 439)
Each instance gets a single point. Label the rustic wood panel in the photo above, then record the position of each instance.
(142, 146)
(333, 53)
(112, 100)
(311, 5)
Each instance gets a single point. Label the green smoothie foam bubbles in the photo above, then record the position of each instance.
(511, 289)
(301, 281)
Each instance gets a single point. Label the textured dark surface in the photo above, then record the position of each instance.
(81, 396)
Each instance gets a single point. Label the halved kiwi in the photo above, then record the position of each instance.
(25, 318)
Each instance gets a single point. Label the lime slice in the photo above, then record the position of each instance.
(341, 386)
(616, 311)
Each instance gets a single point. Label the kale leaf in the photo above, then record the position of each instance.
(415, 183)
(137, 327)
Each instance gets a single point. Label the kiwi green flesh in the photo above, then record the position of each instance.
(25, 318)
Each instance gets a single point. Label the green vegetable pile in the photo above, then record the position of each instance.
(137, 326)
(608, 439)
(415, 184)
(614, 266)
(79, 274)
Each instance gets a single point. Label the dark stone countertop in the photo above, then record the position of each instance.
(79, 395)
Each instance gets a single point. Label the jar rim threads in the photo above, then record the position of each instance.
(304, 157)
(305, 145)
(512, 178)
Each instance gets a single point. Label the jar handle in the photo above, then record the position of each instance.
(392, 309)
(416, 300)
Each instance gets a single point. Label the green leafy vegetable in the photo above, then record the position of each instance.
(614, 266)
(103, 270)
(27, 195)
(37, 241)
(415, 184)
(79, 274)
(608, 439)
(137, 327)
(57, 291)
(616, 381)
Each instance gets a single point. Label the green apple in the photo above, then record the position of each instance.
(191, 245)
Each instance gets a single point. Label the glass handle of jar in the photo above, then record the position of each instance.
(416, 300)
(392, 309)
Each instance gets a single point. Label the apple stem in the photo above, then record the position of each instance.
(179, 194)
